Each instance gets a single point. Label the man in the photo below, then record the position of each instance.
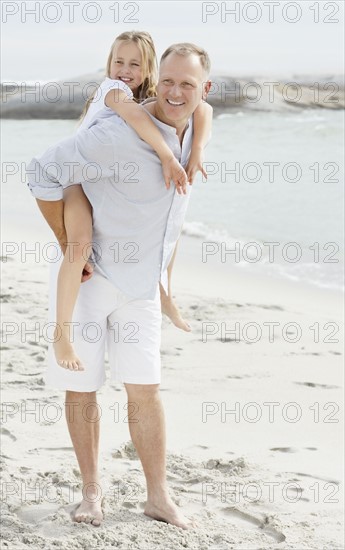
(136, 224)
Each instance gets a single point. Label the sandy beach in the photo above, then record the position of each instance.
(254, 426)
(254, 394)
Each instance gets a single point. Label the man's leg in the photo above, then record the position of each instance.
(83, 426)
(148, 436)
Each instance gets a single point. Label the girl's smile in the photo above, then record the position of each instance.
(126, 65)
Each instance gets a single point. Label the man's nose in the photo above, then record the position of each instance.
(175, 91)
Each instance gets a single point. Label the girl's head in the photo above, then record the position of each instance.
(132, 59)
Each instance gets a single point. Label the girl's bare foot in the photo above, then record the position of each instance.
(64, 352)
(167, 511)
(170, 309)
(88, 512)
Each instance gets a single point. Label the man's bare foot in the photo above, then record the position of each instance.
(168, 512)
(170, 309)
(88, 512)
(64, 352)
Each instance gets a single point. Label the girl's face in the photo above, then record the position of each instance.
(126, 64)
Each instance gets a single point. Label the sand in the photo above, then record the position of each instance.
(264, 477)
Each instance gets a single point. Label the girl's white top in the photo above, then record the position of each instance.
(98, 108)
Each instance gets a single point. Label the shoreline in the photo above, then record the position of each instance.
(278, 289)
(190, 255)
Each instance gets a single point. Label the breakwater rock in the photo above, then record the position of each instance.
(65, 99)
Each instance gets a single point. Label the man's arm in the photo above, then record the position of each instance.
(53, 214)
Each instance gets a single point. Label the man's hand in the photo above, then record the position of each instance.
(88, 267)
(172, 170)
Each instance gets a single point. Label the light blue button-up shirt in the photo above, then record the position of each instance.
(136, 220)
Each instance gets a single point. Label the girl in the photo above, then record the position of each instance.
(131, 77)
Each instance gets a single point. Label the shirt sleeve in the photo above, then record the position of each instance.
(86, 157)
(110, 84)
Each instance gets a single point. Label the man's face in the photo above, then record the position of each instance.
(181, 86)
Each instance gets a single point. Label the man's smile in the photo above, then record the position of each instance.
(175, 103)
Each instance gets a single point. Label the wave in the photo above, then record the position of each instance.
(255, 255)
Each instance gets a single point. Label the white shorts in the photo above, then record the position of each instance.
(105, 318)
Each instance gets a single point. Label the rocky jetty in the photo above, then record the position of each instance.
(65, 99)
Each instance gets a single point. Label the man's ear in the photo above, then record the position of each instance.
(206, 88)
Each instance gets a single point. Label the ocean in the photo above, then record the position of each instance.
(273, 199)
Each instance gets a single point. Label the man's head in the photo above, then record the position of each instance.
(182, 83)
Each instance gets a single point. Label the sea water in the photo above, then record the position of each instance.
(273, 196)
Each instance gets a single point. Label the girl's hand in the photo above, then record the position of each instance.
(172, 170)
(195, 164)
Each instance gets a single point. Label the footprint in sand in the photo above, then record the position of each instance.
(126, 450)
(170, 353)
(238, 377)
(274, 308)
(6, 298)
(37, 513)
(6, 259)
(314, 385)
(4, 431)
(328, 480)
(63, 449)
(285, 449)
(232, 467)
(229, 340)
(253, 521)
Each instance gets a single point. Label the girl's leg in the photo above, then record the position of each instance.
(169, 308)
(78, 223)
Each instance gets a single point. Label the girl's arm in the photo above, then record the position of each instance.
(136, 117)
(202, 129)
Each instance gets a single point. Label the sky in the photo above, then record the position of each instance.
(63, 39)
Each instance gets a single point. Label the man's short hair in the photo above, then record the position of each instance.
(187, 48)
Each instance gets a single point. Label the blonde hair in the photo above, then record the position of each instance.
(149, 65)
(187, 48)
